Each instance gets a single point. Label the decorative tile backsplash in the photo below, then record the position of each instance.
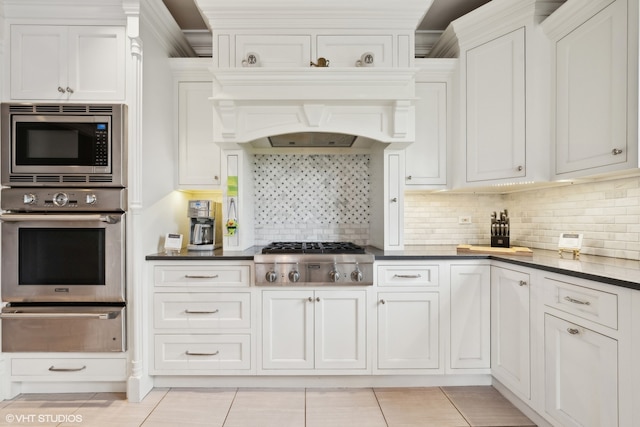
(606, 212)
(311, 197)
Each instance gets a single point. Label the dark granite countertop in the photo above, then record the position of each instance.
(613, 271)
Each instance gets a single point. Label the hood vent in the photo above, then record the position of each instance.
(265, 81)
(312, 139)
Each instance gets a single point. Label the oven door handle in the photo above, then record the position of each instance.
(25, 315)
(12, 217)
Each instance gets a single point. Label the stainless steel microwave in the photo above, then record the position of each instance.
(63, 145)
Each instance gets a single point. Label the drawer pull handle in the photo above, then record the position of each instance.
(193, 276)
(201, 311)
(54, 369)
(573, 331)
(197, 353)
(576, 301)
(408, 276)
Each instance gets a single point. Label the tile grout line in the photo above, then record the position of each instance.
(154, 407)
(226, 417)
(456, 406)
(380, 406)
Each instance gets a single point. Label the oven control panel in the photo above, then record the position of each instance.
(312, 270)
(63, 199)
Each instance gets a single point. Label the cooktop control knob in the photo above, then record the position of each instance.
(29, 199)
(60, 199)
(334, 274)
(294, 275)
(271, 276)
(91, 199)
(356, 275)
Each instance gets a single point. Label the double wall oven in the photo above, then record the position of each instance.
(63, 227)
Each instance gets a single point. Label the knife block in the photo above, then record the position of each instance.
(500, 242)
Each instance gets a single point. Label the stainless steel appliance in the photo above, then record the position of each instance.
(314, 263)
(74, 145)
(205, 233)
(63, 269)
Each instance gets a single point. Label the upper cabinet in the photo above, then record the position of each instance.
(426, 158)
(198, 156)
(75, 63)
(595, 65)
(502, 97)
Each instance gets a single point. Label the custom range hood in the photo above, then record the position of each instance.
(311, 73)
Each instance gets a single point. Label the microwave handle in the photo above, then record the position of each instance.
(11, 217)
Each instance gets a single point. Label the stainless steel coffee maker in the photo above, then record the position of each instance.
(203, 235)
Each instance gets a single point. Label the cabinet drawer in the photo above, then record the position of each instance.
(591, 304)
(202, 352)
(214, 310)
(219, 275)
(274, 50)
(71, 368)
(408, 275)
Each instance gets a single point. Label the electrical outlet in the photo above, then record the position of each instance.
(464, 219)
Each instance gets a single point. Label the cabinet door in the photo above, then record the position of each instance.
(274, 50)
(287, 329)
(581, 375)
(510, 329)
(426, 158)
(340, 330)
(345, 50)
(199, 161)
(38, 62)
(470, 316)
(495, 108)
(394, 204)
(408, 330)
(96, 58)
(80, 63)
(591, 92)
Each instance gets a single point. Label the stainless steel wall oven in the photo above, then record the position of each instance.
(63, 246)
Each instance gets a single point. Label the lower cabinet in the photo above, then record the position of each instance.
(470, 316)
(511, 330)
(314, 330)
(581, 375)
(408, 330)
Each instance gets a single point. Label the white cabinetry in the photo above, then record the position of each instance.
(199, 157)
(495, 108)
(587, 353)
(595, 60)
(470, 316)
(313, 330)
(408, 307)
(75, 63)
(426, 158)
(510, 329)
(202, 319)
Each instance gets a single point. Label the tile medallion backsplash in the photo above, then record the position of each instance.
(313, 197)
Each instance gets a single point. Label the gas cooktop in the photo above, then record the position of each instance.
(313, 263)
(312, 248)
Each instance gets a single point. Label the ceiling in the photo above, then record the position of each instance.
(439, 15)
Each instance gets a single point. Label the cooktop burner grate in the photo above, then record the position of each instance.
(313, 248)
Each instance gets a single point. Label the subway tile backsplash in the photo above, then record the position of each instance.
(311, 197)
(327, 198)
(606, 212)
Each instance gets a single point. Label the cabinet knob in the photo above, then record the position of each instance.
(69, 90)
(520, 168)
(60, 89)
(317, 299)
(523, 283)
(572, 331)
(616, 151)
(409, 178)
(394, 200)
(382, 301)
(310, 299)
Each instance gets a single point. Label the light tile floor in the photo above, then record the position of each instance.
(245, 407)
